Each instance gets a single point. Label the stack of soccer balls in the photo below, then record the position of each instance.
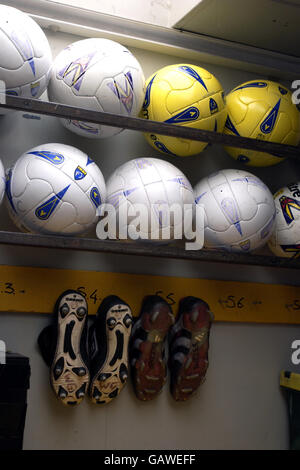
(58, 189)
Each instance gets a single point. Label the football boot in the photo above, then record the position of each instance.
(108, 343)
(147, 347)
(63, 345)
(188, 347)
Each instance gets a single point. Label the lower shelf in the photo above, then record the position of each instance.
(143, 249)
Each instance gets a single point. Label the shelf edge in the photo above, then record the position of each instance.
(143, 249)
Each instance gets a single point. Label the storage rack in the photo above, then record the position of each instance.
(117, 247)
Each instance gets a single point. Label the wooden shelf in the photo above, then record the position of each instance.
(143, 249)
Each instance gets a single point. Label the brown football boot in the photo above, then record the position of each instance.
(147, 347)
(188, 347)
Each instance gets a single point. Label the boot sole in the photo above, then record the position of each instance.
(111, 377)
(69, 375)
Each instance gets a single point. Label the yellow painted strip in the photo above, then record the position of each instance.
(25, 289)
(290, 380)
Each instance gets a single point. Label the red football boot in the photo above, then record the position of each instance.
(188, 347)
(147, 347)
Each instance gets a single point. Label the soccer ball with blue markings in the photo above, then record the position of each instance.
(55, 189)
(239, 210)
(2, 181)
(186, 95)
(26, 58)
(262, 110)
(153, 188)
(100, 75)
(285, 239)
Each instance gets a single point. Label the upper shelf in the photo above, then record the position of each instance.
(143, 125)
(117, 247)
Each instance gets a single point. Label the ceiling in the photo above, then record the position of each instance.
(267, 24)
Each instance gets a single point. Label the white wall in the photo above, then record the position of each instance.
(240, 406)
(181, 8)
(157, 12)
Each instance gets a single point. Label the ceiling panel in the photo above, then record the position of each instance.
(267, 24)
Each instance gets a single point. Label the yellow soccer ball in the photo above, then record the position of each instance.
(185, 95)
(261, 110)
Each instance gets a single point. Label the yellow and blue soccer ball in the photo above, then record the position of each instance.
(185, 95)
(261, 110)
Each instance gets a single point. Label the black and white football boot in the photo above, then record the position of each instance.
(108, 343)
(188, 347)
(63, 346)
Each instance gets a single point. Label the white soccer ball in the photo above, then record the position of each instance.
(285, 239)
(2, 181)
(26, 58)
(152, 188)
(100, 75)
(55, 189)
(239, 210)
